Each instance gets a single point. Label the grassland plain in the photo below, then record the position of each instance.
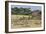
(24, 21)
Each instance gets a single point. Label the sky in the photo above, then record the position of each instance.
(25, 6)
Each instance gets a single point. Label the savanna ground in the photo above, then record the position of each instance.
(24, 21)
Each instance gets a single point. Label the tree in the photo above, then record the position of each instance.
(21, 10)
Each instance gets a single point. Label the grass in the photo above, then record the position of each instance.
(24, 21)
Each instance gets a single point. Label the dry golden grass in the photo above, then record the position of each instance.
(19, 22)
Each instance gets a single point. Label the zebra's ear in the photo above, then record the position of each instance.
(40, 12)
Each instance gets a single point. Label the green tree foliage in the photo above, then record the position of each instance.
(21, 10)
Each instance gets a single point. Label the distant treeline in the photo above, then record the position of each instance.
(23, 11)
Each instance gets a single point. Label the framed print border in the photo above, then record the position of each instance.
(6, 16)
